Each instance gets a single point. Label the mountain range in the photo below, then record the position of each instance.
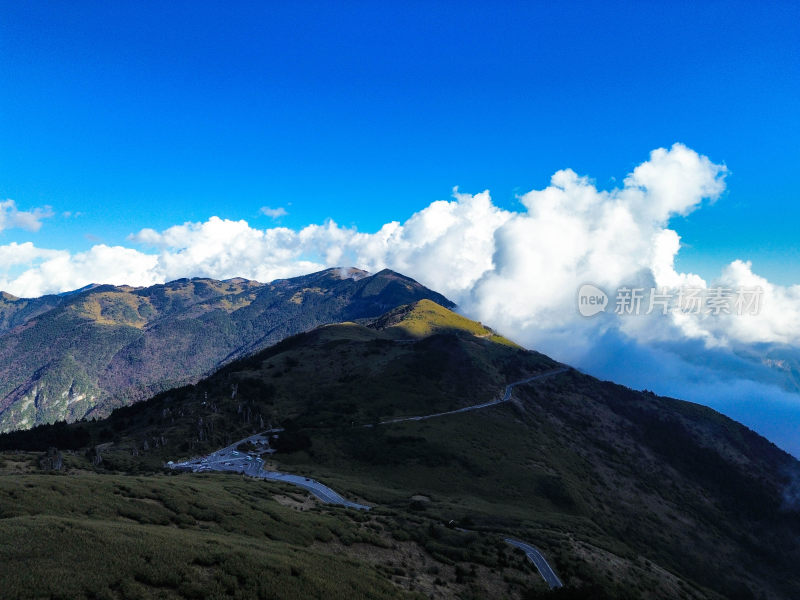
(81, 354)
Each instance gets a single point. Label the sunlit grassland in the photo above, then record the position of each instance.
(425, 318)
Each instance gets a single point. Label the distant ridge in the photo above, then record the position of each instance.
(81, 353)
(85, 288)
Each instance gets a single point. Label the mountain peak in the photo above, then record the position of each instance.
(80, 290)
(425, 317)
(349, 273)
(389, 274)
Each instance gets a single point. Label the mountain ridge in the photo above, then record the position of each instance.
(82, 353)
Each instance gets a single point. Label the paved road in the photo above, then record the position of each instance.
(536, 557)
(322, 492)
(230, 460)
(533, 553)
(506, 397)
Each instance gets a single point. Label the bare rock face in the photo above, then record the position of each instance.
(52, 461)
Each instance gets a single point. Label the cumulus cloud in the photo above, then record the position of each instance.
(274, 213)
(51, 271)
(11, 216)
(518, 271)
(221, 248)
(14, 254)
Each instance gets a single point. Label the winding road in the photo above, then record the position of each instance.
(229, 459)
(536, 557)
(505, 398)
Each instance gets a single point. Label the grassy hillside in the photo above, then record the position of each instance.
(425, 318)
(628, 494)
(83, 533)
(83, 354)
(90, 536)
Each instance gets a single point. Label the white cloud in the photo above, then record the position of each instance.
(11, 216)
(221, 248)
(573, 233)
(274, 213)
(52, 271)
(25, 254)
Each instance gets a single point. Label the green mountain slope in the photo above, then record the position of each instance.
(425, 318)
(82, 354)
(16, 311)
(629, 495)
(115, 536)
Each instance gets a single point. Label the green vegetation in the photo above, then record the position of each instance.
(90, 536)
(425, 318)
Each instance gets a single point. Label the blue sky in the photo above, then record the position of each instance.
(151, 114)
